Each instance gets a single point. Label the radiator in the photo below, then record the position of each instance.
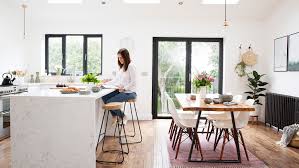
(281, 110)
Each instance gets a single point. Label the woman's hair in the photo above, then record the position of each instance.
(126, 56)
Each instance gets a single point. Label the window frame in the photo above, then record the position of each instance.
(85, 52)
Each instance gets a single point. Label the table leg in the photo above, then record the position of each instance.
(194, 136)
(235, 135)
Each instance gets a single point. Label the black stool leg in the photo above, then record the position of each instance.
(103, 118)
(125, 135)
(133, 120)
(105, 132)
(124, 112)
(119, 135)
(138, 123)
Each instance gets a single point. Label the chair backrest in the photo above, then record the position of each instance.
(173, 111)
(243, 117)
(237, 98)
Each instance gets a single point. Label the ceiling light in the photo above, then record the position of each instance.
(220, 2)
(142, 1)
(65, 1)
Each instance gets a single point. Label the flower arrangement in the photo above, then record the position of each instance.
(58, 69)
(203, 79)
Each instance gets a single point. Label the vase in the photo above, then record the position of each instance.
(257, 110)
(31, 78)
(37, 79)
(202, 91)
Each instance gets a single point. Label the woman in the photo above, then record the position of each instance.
(125, 81)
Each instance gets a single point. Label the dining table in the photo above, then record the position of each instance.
(198, 104)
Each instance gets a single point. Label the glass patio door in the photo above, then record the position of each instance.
(171, 72)
(205, 57)
(176, 61)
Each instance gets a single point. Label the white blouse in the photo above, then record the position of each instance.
(127, 79)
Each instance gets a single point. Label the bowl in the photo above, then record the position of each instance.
(95, 89)
(193, 97)
(208, 100)
(84, 92)
(226, 98)
(217, 101)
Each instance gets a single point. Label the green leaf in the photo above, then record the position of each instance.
(249, 92)
(260, 90)
(263, 95)
(256, 75)
(249, 97)
(251, 87)
(262, 83)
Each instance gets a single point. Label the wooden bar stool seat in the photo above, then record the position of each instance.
(131, 101)
(113, 106)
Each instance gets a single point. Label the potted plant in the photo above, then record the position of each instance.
(90, 78)
(257, 89)
(202, 82)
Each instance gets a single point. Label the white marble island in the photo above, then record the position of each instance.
(54, 130)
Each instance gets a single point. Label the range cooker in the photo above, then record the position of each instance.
(5, 93)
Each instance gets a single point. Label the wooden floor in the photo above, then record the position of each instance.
(152, 152)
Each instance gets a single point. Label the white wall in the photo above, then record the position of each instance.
(283, 21)
(141, 24)
(11, 42)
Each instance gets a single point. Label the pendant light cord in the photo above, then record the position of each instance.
(24, 6)
(24, 23)
(225, 11)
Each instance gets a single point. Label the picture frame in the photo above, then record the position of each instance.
(281, 54)
(293, 52)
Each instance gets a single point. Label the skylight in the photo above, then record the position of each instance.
(65, 1)
(142, 1)
(220, 1)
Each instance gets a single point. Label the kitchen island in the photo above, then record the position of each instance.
(50, 129)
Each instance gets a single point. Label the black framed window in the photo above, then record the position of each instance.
(76, 54)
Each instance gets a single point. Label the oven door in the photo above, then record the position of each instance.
(4, 117)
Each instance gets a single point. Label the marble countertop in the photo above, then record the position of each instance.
(48, 92)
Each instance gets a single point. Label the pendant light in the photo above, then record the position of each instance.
(24, 7)
(225, 17)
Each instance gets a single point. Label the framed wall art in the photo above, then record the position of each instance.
(281, 54)
(293, 53)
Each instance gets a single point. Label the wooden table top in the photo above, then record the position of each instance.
(199, 105)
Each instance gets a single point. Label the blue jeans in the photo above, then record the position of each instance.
(117, 96)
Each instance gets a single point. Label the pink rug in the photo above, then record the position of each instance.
(209, 154)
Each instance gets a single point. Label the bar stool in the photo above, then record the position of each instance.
(120, 125)
(133, 101)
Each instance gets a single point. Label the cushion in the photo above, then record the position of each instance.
(295, 141)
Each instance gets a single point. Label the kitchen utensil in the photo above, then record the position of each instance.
(95, 89)
(7, 79)
(217, 101)
(208, 100)
(226, 98)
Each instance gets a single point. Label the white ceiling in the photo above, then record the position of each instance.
(247, 9)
